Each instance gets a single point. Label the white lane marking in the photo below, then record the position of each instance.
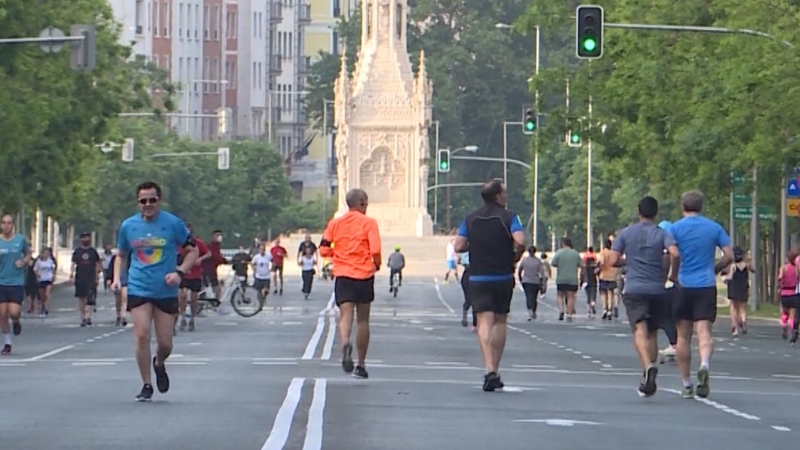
(532, 366)
(327, 347)
(559, 422)
(316, 414)
(441, 297)
(595, 361)
(586, 357)
(607, 366)
(720, 407)
(94, 363)
(187, 363)
(283, 420)
(311, 348)
(780, 428)
(12, 365)
(445, 363)
(427, 329)
(291, 323)
(790, 377)
(50, 353)
(274, 359)
(274, 363)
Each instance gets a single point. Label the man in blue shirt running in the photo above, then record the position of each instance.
(15, 255)
(696, 300)
(152, 239)
(495, 240)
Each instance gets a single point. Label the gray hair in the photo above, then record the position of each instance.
(692, 201)
(354, 197)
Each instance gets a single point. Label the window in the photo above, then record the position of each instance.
(399, 19)
(205, 74)
(291, 43)
(337, 8)
(206, 22)
(181, 69)
(255, 24)
(260, 26)
(213, 74)
(217, 22)
(167, 23)
(198, 19)
(253, 75)
(260, 85)
(232, 77)
(156, 22)
(335, 42)
(156, 60)
(197, 71)
(166, 63)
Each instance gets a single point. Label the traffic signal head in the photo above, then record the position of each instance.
(589, 31)
(574, 134)
(529, 122)
(443, 161)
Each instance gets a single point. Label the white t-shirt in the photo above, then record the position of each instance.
(451, 252)
(45, 268)
(307, 262)
(261, 265)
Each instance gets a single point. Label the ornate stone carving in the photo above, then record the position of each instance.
(383, 19)
(383, 177)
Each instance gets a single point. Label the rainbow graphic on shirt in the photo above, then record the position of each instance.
(149, 249)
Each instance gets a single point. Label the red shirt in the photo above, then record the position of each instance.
(196, 271)
(278, 253)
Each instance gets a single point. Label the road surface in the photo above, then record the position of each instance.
(274, 382)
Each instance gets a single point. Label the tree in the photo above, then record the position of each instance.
(63, 113)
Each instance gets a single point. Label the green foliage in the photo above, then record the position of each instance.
(50, 116)
(310, 215)
(242, 201)
(670, 111)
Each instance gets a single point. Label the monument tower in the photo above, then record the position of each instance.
(382, 118)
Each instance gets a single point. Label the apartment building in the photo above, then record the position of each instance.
(220, 52)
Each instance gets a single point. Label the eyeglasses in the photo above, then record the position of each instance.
(148, 201)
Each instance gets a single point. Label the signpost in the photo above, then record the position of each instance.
(743, 203)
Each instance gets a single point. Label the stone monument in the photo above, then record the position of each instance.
(382, 117)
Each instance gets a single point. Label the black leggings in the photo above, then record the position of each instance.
(531, 295)
(465, 308)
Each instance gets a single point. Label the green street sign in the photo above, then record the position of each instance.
(766, 213)
(739, 179)
(741, 200)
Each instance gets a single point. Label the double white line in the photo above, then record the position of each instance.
(326, 315)
(283, 421)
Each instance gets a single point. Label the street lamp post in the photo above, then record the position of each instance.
(468, 148)
(436, 177)
(325, 103)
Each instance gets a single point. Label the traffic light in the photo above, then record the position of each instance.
(127, 150)
(222, 121)
(529, 122)
(589, 31)
(443, 162)
(82, 53)
(574, 134)
(223, 158)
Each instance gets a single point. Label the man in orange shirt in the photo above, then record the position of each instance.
(356, 259)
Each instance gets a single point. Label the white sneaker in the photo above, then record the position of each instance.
(668, 351)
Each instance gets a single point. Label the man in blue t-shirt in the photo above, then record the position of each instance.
(152, 239)
(495, 240)
(696, 301)
(15, 255)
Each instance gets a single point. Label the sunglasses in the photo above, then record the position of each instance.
(148, 201)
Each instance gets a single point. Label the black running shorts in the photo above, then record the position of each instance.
(167, 305)
(695, 304)
(491, 296)
(351, 290)
(194, 285)
(655, 310)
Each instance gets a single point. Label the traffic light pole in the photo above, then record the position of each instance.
(693, 29)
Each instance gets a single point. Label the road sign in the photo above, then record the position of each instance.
(51, 47)
(741, 200)
(793, 188)
(793, 207)
(766, 213)
(739, 179)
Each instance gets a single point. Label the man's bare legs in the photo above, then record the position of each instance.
(362, 333)
(683, 351)
(492, 342)
(183, 295)
(645, 342)
(142, 317)
(570, 303)
(360, 312)
(5, 327)
(346, 313)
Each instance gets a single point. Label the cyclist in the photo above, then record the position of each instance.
(396, 264)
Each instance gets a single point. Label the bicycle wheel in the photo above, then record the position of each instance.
(244, 304)
(394, 291)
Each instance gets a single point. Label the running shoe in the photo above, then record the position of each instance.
(146, 394)
(347, 358)
(162, 380)
(702, 383)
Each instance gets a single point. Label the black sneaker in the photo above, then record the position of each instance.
(83, 323)
(648, 386)
(162, 380)
(464, 321)
(347, 358)
(616, 312)
(88, 321)
(146, 394)
(118, 322)
(17, 328)
(491, 382)
(361, 373)
(6, 350)
(561, 316)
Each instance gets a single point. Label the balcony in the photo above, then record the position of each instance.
(304, 66)
(276, 115)
(275, 65)
(276, 12)
(304, 14)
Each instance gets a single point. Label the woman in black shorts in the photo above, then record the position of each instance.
(738, 280)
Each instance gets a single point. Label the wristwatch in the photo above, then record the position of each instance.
(180, 273)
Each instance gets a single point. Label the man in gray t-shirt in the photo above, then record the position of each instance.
(644, 297)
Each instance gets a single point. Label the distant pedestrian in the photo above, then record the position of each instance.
(495, 239)
(531, 274)
(567, 261)
(308, 266)
(589, 278)
(451, 261)
(737, 277)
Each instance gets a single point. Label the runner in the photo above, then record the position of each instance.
(788, 278)
(355, 260)
(261, 270)
(152, 239)
(107, 256)
(495, 239)
(396, 264)
(278, 254)
(608, 282)
(210, 265)
(86, 266)
(308, 268)
(45, 268)
(15, 257)
(589, 277)
(530, 274)
(240, 263)
(307, 243)
(451, 258)
(567, 261)
(645, 299)
(464, 261)
(670, 283)
(737, 278)
(548, 273)
(698, 239)
(192, 282)
(31, 286)
(121, 294)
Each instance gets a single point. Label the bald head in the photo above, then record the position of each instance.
(356, 199)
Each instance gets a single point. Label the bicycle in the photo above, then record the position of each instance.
(240, 297)
(394, 287)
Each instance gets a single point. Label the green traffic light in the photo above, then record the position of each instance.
(589, 44)
(530, 126)
(443, 165)
(576, 138)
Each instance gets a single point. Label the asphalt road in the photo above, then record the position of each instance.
(274, 381)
